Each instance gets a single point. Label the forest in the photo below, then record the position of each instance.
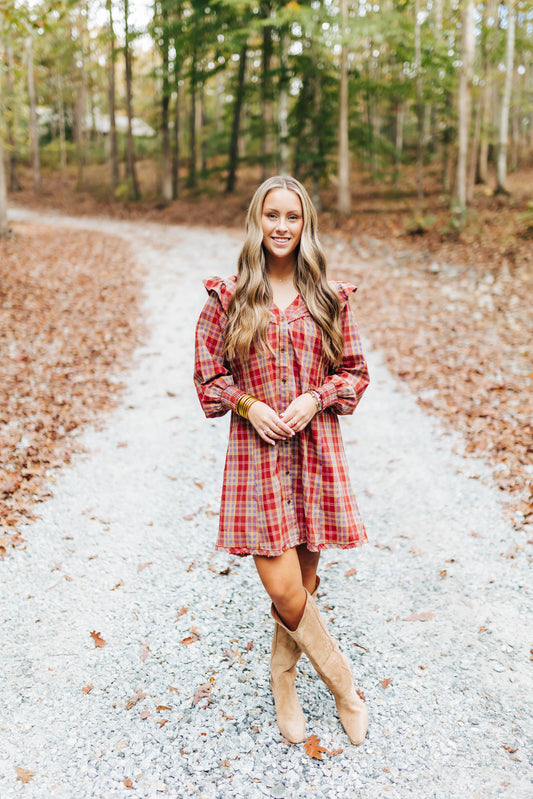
(411, 123)
(202, 90)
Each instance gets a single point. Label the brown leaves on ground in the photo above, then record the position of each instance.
(97, 638)
(68, 320)
(312, 748)
(191, 639)
(454, 321)
(424, 615)
(203, 692)
(134, 699)
(24, 774)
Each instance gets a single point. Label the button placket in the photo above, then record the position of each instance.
(285, 451)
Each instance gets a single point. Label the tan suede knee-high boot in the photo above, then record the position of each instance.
(283, 659)
(313, 638)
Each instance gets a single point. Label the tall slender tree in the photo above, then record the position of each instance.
(131, 173)
(464, 104)
(343, 196)
(34, 129)
(506, 99)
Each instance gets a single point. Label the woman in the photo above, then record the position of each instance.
(278, 346)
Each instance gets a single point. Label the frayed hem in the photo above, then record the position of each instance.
(243, 551)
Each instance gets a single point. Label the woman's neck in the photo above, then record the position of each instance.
(281, 271)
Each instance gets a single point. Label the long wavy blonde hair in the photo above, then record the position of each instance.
(249, 309)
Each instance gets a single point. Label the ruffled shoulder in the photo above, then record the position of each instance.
(223, 287)
(343, 289)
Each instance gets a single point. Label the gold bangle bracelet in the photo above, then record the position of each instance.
(244, 404)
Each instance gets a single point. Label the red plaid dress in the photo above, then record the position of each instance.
(297, 491)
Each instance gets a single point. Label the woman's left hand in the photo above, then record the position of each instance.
(300, 412)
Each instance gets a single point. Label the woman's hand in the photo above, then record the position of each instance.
(268, 425)
(300, 412)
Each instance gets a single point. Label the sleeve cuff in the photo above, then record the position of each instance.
(328, 394)
(230, 397)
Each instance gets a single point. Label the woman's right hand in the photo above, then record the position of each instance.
(267, 423)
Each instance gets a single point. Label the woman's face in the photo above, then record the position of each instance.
(282, 223)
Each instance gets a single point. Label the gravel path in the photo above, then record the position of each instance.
(126, 544)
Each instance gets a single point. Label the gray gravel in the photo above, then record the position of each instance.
(127, 541)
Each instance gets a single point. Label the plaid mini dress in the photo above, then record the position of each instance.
(297, 491)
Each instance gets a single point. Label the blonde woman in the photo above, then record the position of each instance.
(277, 345)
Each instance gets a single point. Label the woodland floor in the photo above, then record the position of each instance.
(450, 311)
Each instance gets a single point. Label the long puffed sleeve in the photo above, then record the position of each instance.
(344, 387)
(212, 377)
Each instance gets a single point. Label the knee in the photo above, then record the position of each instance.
(287, 594)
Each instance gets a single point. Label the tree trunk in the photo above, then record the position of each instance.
(166, 185)
(191, 179)
(235, 128)
(464, 104)
(506, 100)
(4, 225)
(266, 96)
(176, 137)
(34, 130)
(14, 184)
(399, 117)
(62, 132)
(114, 174)
(489, 17)
(130, 155)
(419, 109)
(283, 107)
(343, 196)
(474, 151)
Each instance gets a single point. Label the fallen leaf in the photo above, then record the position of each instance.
(134, 699)
(386, 682)
(128, 783)
(312, 747)
(144, 654)
(328, 565)
(190, 639)
(202, 692)
(351, 572)
(510, 749)
(24, 774)
(117, 585)
(172, 689)
(360, 694)
(144, 714)
(424, 616)
(97, 638)
(143, 566)
(160, 708)
(87, 688)
(162, 722)
(181, 612)
(198, 484)
(249, 645)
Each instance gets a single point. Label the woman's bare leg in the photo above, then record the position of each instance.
(308, 566)
(283, 582)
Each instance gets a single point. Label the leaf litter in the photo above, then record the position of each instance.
(69, 320)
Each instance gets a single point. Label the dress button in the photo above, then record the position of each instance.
(283, 380)
(289, 502)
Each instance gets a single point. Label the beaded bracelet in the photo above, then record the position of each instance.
(244, 404)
